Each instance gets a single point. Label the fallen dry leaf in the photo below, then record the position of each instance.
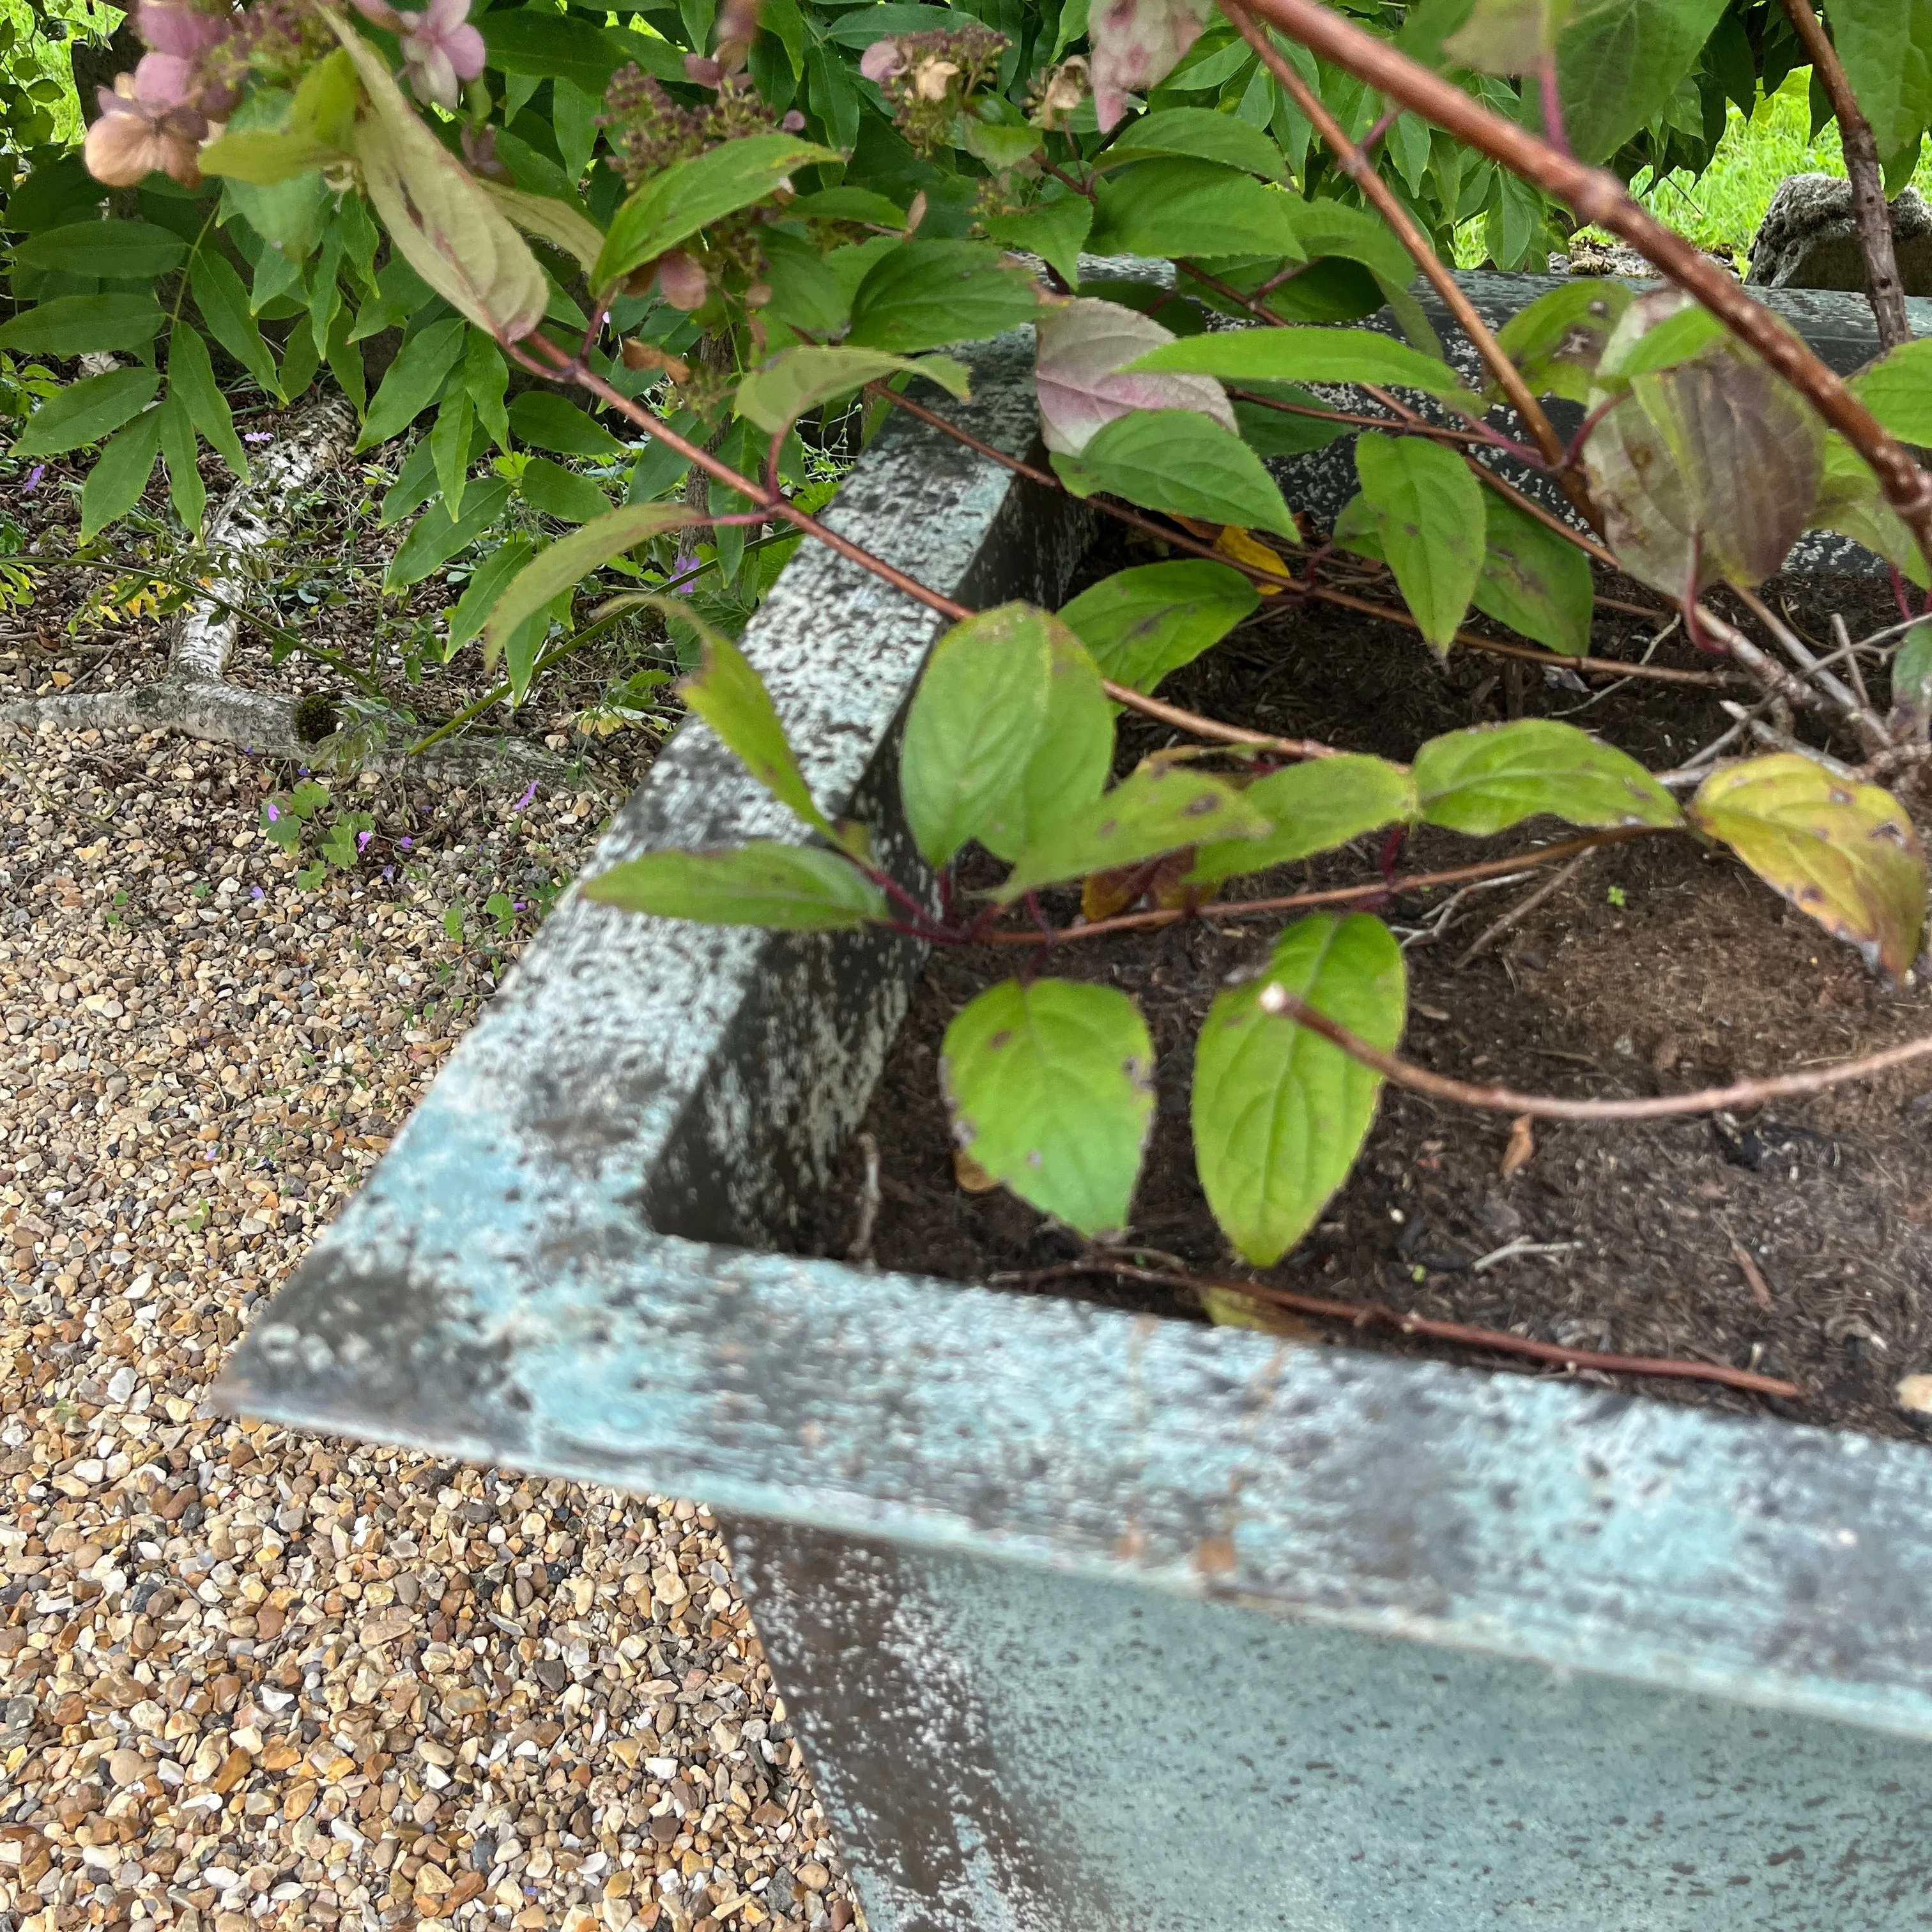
(1521, 1146)
(972, 1177)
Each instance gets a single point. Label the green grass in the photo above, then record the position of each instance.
(1725, 204)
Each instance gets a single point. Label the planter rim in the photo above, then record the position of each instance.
(536, 1276)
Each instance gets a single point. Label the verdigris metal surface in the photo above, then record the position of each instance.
(1127, 1759)
(538, 1275)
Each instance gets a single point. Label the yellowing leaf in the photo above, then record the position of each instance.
(1244, 546)
(440, 219)
(1845, 853)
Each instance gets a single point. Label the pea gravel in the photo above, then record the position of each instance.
(249, 1678)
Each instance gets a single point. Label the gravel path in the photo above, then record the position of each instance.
(252, 1677)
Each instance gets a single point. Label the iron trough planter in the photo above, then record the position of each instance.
(1089, 1620)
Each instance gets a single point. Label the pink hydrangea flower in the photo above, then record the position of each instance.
(441, 50)
(1137, 44)
(881, 60)
(179, 28)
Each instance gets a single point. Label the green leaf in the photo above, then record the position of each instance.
(1201, 133)
(564, 227)
(1008, 731)
(1557, 341)
(1536, 582)
(86, 411)
(731, 696)
(487, 583)
(784, 888)
(847, 204)
(1619, 61)
(71, 325)
(1281, 433)
(1898, 389)
(1188, 207)
(560, 566)
(191, 377)
(1493, 776)
(1280, 1114)
(1675, 339)
(546, 45)
(440, 219)
(223, 303)
(1158, 809)
(1251, 356)
(677, 201)
(1507, 36)
(925, 295)
(562, 494)
(324, 106)
(1850, 501)
(545, 420)
(186, 489)
(1142, 623)
(1425, 511)
(437, 536)
(1311, 808)
(449, 447)
(1845, 853)
(1051, 1088)
(1886, 46)
(1055, 231)
(120, 474)
(797, 380)
(264, 157)
(116, 250)
(1181, 461)
(413, 381)
(486, 376)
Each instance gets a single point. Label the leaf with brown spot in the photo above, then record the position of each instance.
(1158, 809)
(1843, 852)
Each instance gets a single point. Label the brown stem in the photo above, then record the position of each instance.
(565, 367)
(1362, 170)
(1212, 728)
(1596, 195)
(1741, 1095)
(1375, 1314)
(1379, 889)
(1861, 163)
(1283, 580)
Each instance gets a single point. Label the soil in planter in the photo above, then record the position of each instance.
(1661, 967)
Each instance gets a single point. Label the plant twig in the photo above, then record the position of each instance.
(1595, 195)
(1376, 889)
(1522, 910)
(1361, 169)
(1284, 580)
(1740, 1096)
(1883, 287)
(1379, 1314)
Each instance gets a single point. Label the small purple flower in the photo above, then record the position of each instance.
(257, 895)
(405, 843)
(33, 482)
(388, 872)
(523, 804)
(258, 436)
(362, 839)
(274, 810)
(520, 905)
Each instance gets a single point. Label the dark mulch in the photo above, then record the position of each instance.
(1661, 966)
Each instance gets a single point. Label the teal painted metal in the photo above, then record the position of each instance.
(1092, 1620)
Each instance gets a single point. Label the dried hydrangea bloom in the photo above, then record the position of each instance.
(1060, 94)
(927, 76)
(147, 125)
(1137, 44)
